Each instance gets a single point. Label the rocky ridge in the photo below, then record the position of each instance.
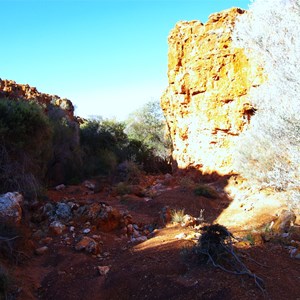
(12, 90)
(205, 104)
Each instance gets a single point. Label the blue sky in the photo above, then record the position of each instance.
(108, 57)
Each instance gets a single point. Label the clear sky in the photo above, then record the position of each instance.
(108, 57)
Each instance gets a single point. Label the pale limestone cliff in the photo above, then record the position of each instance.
(206, 104)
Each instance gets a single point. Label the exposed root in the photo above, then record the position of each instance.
(216, 247)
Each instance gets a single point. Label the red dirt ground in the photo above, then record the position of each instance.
(156, 268)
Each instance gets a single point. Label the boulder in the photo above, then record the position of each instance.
(10, 207)
(89, 245)
(57, 227)
(284, 222)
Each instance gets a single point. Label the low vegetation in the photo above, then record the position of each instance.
(41, 146)
(206, 191)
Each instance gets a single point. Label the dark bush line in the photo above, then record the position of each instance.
(41, 146)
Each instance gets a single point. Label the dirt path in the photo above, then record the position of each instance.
(154, 268)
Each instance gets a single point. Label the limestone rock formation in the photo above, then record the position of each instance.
(206, 104)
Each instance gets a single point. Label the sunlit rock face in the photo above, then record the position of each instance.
(205, 104)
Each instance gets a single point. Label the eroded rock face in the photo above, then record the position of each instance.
(11, 89)
(206, 104)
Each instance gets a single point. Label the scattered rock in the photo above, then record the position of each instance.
(41, 250)
(283, 223)
(57, 227)
(180, 236)
(103, 270)
(89, 185)
(63, 211)
(10, 207)
(86, 230)
(89, 245)
(138, 239)
(60, 187)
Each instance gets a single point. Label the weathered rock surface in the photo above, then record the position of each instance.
(206, 104)
(10, 207)
(88, 244)
(12, 90)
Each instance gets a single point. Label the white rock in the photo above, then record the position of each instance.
(10, 209)
(41, 250)
(103, 270)
(180, 236)
(60, 187)
(57, 227)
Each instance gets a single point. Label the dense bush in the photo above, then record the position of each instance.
(268, 154)
(102, 143)
(40, 145)
(25, 137)
(148, 126)
(65, 164)
(105, 145)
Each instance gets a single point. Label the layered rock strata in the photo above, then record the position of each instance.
(205, 104)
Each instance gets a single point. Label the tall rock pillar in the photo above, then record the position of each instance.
(205, 104)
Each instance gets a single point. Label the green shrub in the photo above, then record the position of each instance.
(148, 126)
(66, 161)
(206, 191)
(123, 188)
(25, 146)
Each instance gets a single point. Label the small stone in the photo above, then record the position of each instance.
(283, 223)
(47, 240)
(96, 237)
(180, 236)
(41, 250)
(136, 234)
(57, 227)
(87, 230)
(63, 211)
(89, 245)
(60, 187)
(10, 207)
(103, 270)
(130, 229)
(72, 228)
(89, 185)
(141, 239)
